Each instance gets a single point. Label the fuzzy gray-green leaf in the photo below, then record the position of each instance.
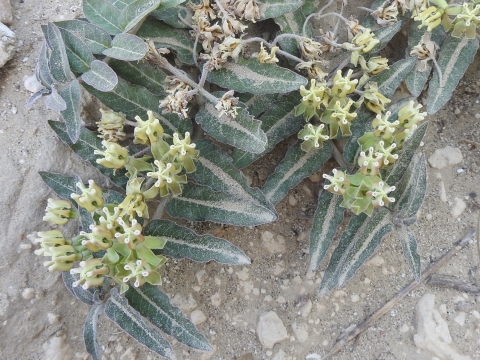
(54, 101)
(243, 131)
(73, 121)
(90, 332)
(406, 155)
(215, 169)
(456, 54)
(326, 220)
(85, 296)
(385, 34)
(135, 12)
(257, 104)
(389, 80)
(96, 38)
(184, 243)
(154, 305)
(101, 76)
(278, 123)
(409, 246)
(87, 143)
(120, 312)
(171, 15)
(133, 100)
(104, 15)
(412, 188)
(292, 23)
(200, 203)
(42, 70)
(78, 53)
(274, 8)
(364, 244)
(127, 47)
(61, 184)
(251, 76)
(164, 35)
(58, 61)
(296, 166)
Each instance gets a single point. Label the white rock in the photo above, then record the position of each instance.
(460, 318)
(301, 332)
(201, 277)
(274, 244)
(432, 331)
(458, 207)
(270, 329)
(280, 355)
(243, 274)
(185, 303)
(53, 318)
(354, 298)
(306, 308)
(198, 317)
(377, 260)
(32, 84)
(28, 293)
(56, 348)
(6, 15)
(216, 300)
(292, 201)
(404, 328)
(444, 157)
(7, 44)
(279, 268)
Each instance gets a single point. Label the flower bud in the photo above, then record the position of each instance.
(149, 131)
(114, 156)
(111, 125)
(91, 197)
(58, 211)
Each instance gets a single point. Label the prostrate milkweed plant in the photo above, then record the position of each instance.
(158, 67)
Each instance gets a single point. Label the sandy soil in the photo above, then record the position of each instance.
(39, 319)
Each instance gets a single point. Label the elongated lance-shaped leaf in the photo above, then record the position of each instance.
(78, 53)
(112, 196)
(389, 80)
(171, 15)
(215, 169)
(254, 77)
(184, 243)
(54, 101)
(127, 47)
(85, 296)
(135, 12)
(58, 61)
(154, 305)
(42, 70)
(200, 203)
(243, 131)
(364, 244)
(296, 166)
(409, 246)
(412, 188)
(257, 104)
(73, 121)
(456, 54)
(86, 219)
(164, 35)
(278, 123)
(90, 332)
(87, 143)
(330, 277)
(104, 15)
(120, 312)
(101, 76)
(142, 74)
(94, 36)
(406, 155)
(326, 220)
(273, 8)
(62, 185)
(133, 100)
(385, 34)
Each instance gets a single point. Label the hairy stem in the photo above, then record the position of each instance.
(319, 12)
(161, 207)
(142, 152)
(279, 52)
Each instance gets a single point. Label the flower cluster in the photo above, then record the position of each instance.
(110, 126)
(179, 94)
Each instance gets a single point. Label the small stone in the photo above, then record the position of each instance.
(198, 317)
(268, 298)
(404, 328)
(281, 300)
(354, 298)
(274, 244)
(279, 268)
(460, 318)
(292, 201)
(32, 84)
(367, 281)
(255, 291)
(270, 329)
(28, 293)
(201, 277)
(458, 207)
(457, 111)
(306, 308)
(477, 116)
(53, 318)
(216, 300)
(6, 15)
(56, 348)
(185, 303)
(243, 274)
(129, 354)
(462, 306)
(7, 43)
(300, 331)
(377, 260)
(444, 157)
(25, 246)
(280, 355)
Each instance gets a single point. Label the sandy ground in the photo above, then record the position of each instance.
(39, 319)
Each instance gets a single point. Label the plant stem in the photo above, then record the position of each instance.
(319, 12)
(266, 43)
(287, 36)
(131, 123)
(142, 152)
(161, 207)
(337, 155)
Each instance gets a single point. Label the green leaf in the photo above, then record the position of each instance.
(326, 220)
(142, 74)
(134, 100)
(54, 101)
(278, 123)
(90, 332)
(154, 305)
(411, 190)
(78, 53)
(127, 47)
(87, 143)
(215, 169)
(61, 184)
(292, 23)
(257, 104)
(406, 155)
(184, 243)
(254, 77)
(94, 36)
(456, 54)
(120, 312)
(86, 219)
(171, 15)
(243, 132)
(120, 4)
(385, 34)
(42, 70)
(364, 244)
(135, 12)
(85, 296)
(296, 166)
(71, 115)
(112, 197)
(104, 15)
(330, 277)
(310, 6)
(409, 246)
(164, 35)
(200, 203)
(101, 76)
(389, 80)
(58, 61)
(274, 8)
